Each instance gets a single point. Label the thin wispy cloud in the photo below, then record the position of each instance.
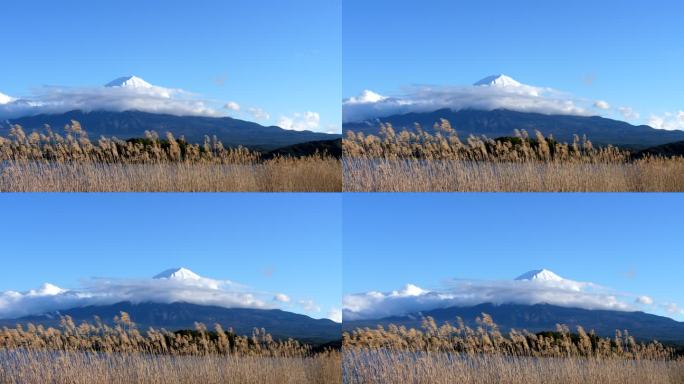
(668, 121)
(300, 121)
(258, 113)
(233, 106)
(628, 113)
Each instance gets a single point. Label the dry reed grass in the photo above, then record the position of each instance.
(423, 162)
(50, 162)
(449, 354)
(98, 353)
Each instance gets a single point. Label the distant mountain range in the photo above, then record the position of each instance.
(133, 124)
(502, 122)
(177, 316)
(544, 317)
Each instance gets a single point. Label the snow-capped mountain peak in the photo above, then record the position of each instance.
(412, 290)
(367, 96)
(4, 99)
(129, 82)
(178, 274)
(370, 96)
(498, 81)
(548, 278)
(540, 275)
(46, 289)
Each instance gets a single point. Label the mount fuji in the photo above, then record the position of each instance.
(536, 316)
(174, 299)
(468, 115)
(113, 111)
(129, 82)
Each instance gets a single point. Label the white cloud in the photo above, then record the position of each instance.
(335, 314)
(168, 287)
(4, 99)
(309, 306)
(669, 121)
(410, 299)
(129, 93)
(281, 297)
(494, 92)
(673, 309)
(645, 300)
(628, 113)
(300, 121)
(258, 113)
(600, 104)
(233, 106)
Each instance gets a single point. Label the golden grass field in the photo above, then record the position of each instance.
(461, 354)
(441, 162)
(72, 163)
(98, 353)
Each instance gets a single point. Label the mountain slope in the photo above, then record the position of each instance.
(544, 317)
(330, 147)
(133, 124)
(667, 150)
(502, 122)
(175, 316)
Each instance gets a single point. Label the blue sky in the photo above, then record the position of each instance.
(282, 57)
(626, 242)
(627, 53)
(273, 243)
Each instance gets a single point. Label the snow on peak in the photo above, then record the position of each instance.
(370, 96)
(498, 81)
(548, 278)
(46, 289)
(4, 99)
(539, 275)
(366, 96)
(129, 82)
(178, 274)
(410, 290)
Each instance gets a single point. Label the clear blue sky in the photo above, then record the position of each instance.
(628, 53)
(283, 57)
(271, 242)
(628, 242)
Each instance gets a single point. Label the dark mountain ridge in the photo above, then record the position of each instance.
(133, 124)
(503, 122)
(544, 317)
(179, 315)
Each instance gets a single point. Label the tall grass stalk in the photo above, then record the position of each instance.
(73, 163)
(120, 353)
(483, 354)
(420, 161)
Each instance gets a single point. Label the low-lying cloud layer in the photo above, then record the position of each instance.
(493, 92)
(174, 285)
(133, 93)
(127, 93)
(531, 288)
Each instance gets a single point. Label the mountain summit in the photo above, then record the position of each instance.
(498, 81)
(546, 277)
(129, 82)
(178, 274)
(539, 275)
